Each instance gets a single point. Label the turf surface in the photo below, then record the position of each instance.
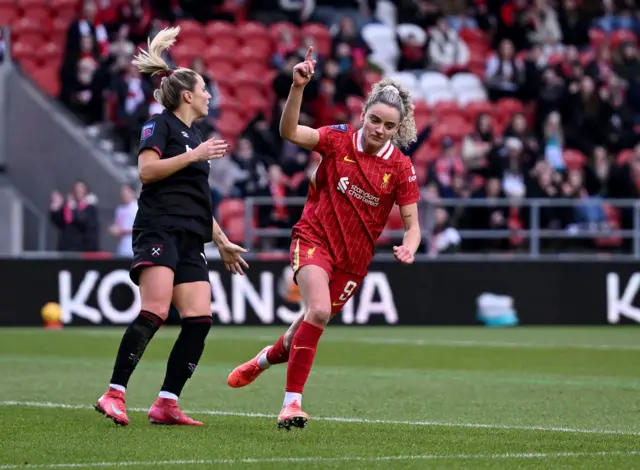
(378, 398)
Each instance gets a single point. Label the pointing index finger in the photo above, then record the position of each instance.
(308, 56)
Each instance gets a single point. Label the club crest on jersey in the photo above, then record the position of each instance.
(385, 180)
(147, 131)
(340, 127)
(184, 133)
(156, 250)
(310, 252)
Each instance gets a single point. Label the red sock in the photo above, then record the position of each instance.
(303, 350)
(278, 354)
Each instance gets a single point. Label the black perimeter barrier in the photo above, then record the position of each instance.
(99, 292)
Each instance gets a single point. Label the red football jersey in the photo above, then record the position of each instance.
(351, 196)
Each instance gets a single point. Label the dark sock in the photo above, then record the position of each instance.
(186, 353)
(133, 344)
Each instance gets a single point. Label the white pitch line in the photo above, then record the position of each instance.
(403, 341)
(514, 456)
(38, 404)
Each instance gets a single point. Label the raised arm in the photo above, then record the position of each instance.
(290, 130)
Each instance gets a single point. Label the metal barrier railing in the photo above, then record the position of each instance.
(535, 233)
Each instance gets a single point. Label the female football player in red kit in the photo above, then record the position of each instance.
(361, 176)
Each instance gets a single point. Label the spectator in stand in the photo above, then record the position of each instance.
(476, 146)
(598, 172)
(544, 27)
(447, 52)
(505, 73)
(444, 169)
(76, 219)
(601, 67)
(491, 217)
(423, 13)
(413, 52)
(137, 16)
(445, 239)
(122, 227)
(251, 169)
(514, 24)
(585, 116)
(627, 68)
(574, 26)
(554, 142)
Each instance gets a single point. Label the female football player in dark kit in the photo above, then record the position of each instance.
(172, 225)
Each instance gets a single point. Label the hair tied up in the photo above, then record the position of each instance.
(166, 73)
(391, 88)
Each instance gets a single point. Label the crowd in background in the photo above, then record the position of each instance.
(574, 64)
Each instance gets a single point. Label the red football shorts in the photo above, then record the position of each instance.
(342, 285)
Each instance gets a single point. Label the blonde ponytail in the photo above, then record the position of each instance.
(174, 82)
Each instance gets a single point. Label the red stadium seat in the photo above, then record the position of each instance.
(50, 53)
(27, 4)
(355, 104)
(21, 50)
(620, 36)
(183, 54)
(38, 14)
(213, 55)
(25, 26)
(476, 107)
(277, 29)
(48, 80)
(57, 5)
(190, 29)
(252, 54)
(228, 42)
(596, 37)
(574, 159)
(215, 29)
(256, 69)
(444, 109)
(624, 156)
(252, 30)
(262, 48)
(8, 14)
(321, 38)
(232, 219)
(65, 15)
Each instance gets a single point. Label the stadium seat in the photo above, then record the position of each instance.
(190, 29)
(382, 41)
(21, 50)
(470, 96)
(262, 48)
(39, 14)
(27, 4)
(252, 29)
(474, 108)
(47, 79)
(252, 54)
(461, 82)
(596, 37)
(321, 37)
(574, 159)
(8, 14)
(276, 30)
(406, 30)
(444, 109)
(231, 213)
(215, 29)
(621, 35)
(434, 81)
(433, 98)
(214, 55)
(624, 156)
(407, 79)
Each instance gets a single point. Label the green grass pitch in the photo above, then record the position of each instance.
(379, 397)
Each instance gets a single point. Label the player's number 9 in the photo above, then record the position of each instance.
(348, 290)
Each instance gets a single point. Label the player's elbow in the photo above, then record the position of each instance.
(145, 174)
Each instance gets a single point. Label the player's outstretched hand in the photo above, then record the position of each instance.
(211, 149)
(230, 253)
(403, 254)
(303, 71)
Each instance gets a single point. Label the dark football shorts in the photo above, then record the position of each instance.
(180, 250)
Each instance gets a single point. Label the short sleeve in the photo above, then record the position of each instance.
(154, 135)
(408, 191)
(328, 135)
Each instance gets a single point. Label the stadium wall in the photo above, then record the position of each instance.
(99, 292)
(44, 149)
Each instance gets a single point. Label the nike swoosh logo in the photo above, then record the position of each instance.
(115, 410)
(175, 416)
(348, 160)
(300, 347)
(337, 304)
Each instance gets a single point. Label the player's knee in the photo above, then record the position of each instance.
(319, 315)
(159, 309)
